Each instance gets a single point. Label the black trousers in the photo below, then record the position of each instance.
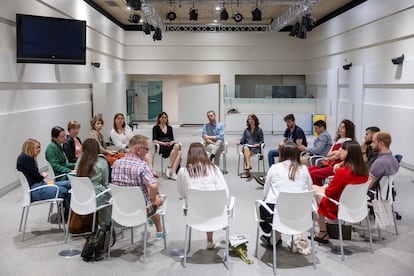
(267, 218)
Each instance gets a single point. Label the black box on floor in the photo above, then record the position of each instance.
(333, 231)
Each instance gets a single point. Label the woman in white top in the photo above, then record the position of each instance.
(289, 175)
(120, 135)
(200, 174)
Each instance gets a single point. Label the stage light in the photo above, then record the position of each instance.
(193, 14)
(171, 16)
(238, 17)
(95, 64)
(146, 28)
(256, 14)
(157, 34)
(224, 15)
(135, 18)
(134, 4)
(295, 29)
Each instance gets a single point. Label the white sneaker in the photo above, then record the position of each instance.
(168, 172)
(173, 176)
(210, 245)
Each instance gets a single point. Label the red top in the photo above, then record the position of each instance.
(343, 177)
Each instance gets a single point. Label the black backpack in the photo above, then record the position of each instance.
(97, 244)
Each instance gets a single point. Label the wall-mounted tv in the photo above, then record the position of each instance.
(50, 40)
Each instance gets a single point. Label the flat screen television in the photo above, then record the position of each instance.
(50, 40)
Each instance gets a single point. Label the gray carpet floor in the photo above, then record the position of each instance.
(39, 253)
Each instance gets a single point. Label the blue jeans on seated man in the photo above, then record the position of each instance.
(50, 191)
(271, 156)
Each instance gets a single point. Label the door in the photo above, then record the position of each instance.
(154, 100)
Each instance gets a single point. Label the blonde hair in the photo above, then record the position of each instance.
(30, 147)
(73, 124)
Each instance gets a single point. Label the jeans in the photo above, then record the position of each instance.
(271, 156)
(50, 192)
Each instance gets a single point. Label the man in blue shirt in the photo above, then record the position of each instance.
(213, 135)
(293, 133)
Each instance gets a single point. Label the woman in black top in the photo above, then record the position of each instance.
(162, 134)
(27, 164)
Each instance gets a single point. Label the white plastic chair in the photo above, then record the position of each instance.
(352, 208)
(207, 211)
(27, 203)
(260, 157)
(293, 215)
(129, 210)
(83, 199)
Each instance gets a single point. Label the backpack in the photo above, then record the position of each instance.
(97, 244)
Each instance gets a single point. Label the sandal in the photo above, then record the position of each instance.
(321, 239)
(245, 175)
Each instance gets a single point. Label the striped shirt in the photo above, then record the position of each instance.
(132, 171)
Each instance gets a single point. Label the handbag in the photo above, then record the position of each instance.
(383, 213)
(81, 223)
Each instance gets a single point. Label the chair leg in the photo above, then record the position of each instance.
(50, 211)
(341, 240)
(186, 245)
(394, 218)
(67, 232)
(274, 253)
(164, 231)
(312, 241)
(21, 219)
(25, 221)
(132, 235)
(145, 242)
(226, 257)
(257, 240)
(111, 229)
(238, 166)
(369, 233)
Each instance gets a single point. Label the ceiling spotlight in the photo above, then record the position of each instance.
(157, 34)
(135, 18)
(309, 22)
(302, 30)
(256, 14)
(146, 28)
(133, 4)
(193, 14)
(224, 15)
(295, 29)
(238, 17)
(347, 66)
(171, 16)
(398, 60)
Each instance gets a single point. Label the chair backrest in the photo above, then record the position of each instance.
(83, 197)
(128, 205)
(207, 210)
(353, 203)
(50, 171)
(25, 188)
(293, 212)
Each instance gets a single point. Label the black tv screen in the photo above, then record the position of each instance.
(50, 40)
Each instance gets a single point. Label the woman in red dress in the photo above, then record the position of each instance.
(352, 171)
(346, 132)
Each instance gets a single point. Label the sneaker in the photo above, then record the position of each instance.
(210, 245)
(168, 172)
(173, 176)
(160, 235)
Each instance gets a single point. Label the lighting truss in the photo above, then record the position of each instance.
(216, 28)
(291, 14)
(152, 17)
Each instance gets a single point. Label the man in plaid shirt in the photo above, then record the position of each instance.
(133, 170)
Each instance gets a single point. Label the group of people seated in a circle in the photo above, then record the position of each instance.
(129, 163)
